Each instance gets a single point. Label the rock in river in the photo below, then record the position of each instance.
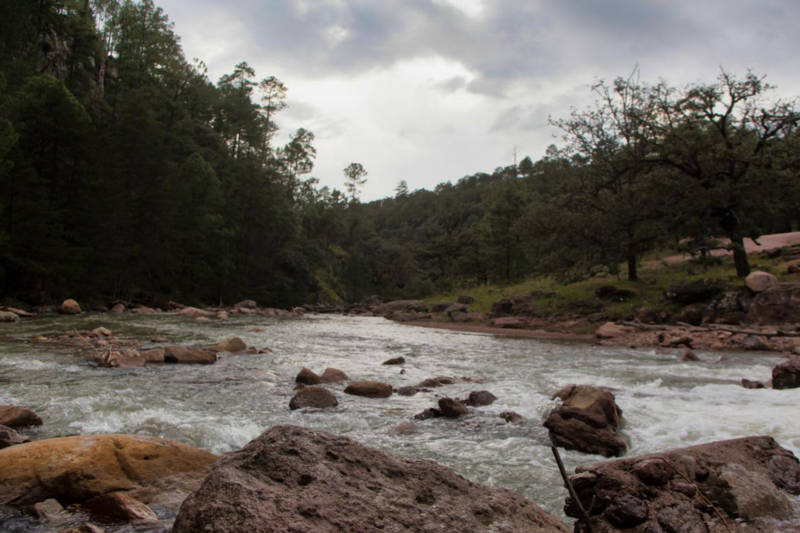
(370, 389)
(293, 479)
(587, 421)
(14, 416)
(313, 396)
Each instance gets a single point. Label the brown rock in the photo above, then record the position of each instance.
(514, 322)
(51, 512)
(101, 332)
(194, 312)
(587, 421)
(369, 389)
(15, 417)
(511, 417)
(787, 374)
(232, 345)
(688, 355)
(117, 308)
(298, 479)
(438, 381)
(153, 355)
(143, 310)
(306, 376)
(759, 281)
(452, 408)
(75, 469)
(188, 355)
(610, 330)
(480, 398)
(247, 304)
(69, 307)
(333, 375)
(408, 390)
(8, 316)
(128, 358)
(751, 384)
(313, 396)
(430, 412)
(744, 479)
(395, 361)
(119, 506)
(778, 303)
(9, 437)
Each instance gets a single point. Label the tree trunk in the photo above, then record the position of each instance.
(740, 256)
(633, 274)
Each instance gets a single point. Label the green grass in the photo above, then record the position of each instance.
(551, 298)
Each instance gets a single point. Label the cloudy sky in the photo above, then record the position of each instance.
(432, 90)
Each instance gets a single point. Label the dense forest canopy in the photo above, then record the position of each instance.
(125, 173)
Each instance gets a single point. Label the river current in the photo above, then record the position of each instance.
(666, 403)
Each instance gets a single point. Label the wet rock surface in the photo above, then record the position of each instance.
(707, 488)
(587, 420)
(313, 396)
(76, 469)
(293, 479)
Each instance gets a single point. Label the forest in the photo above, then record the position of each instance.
(127, 174)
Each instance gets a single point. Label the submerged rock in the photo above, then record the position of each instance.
(745, 481)
(232, 345)
(297, 479)
(587, 421)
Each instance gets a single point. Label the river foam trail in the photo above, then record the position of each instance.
(666, 403)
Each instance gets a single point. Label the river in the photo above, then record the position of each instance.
(666, 403)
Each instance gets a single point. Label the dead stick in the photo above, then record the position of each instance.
(568, 483)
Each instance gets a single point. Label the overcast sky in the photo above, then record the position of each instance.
(432, 90)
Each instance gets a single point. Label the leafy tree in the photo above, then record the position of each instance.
(355, 177)
(718, 135)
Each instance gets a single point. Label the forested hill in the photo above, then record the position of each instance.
(125, 173)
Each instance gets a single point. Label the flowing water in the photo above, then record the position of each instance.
(666, 403)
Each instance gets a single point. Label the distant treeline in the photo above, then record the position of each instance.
(125, 173)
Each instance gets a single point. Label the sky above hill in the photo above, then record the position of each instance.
(429, 91)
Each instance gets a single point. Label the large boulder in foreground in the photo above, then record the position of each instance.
(75, 469)
(587, 420)
(297, 479)
(734, 485)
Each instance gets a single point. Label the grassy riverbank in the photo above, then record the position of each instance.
(548, 297)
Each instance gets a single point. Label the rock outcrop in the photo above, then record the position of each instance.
(76, 469)
(776, 304)
(711, 487)
(587, 420)
(293, 479)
